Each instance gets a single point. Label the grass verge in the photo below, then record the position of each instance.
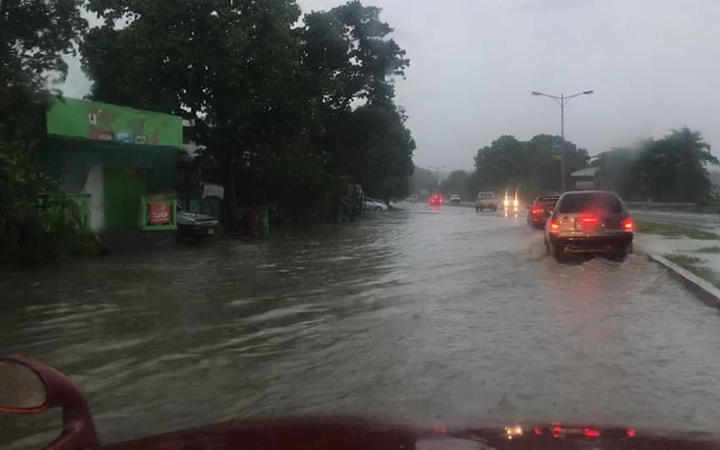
(674, 231)
(713, 249)
(695, 265)
(712, 208)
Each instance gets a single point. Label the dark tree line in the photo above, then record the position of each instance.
(674, 168)
(531, 167)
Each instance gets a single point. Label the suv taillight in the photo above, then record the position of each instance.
(554, 226)
(628, 225)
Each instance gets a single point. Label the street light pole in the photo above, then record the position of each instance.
(562, 117)
(437, 172)
(562, 136)
(562, 100)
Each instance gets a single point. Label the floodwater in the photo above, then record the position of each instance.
(415, 316)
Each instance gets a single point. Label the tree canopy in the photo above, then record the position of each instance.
(530, 166)
(267, 96)
(34, 36)
(673, 168)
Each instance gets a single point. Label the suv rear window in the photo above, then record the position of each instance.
(547, 202)
(575, 203)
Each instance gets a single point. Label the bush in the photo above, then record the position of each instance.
(30, 232)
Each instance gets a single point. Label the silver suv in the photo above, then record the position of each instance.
(589, 222)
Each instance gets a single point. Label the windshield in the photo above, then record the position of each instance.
(185, 230)
(575, 203)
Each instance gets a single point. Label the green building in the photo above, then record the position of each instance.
(118, 163)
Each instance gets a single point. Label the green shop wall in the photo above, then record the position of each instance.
(129, 171)
(124, 187)
(134, 150)
(69, 117)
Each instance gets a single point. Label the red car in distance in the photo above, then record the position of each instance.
(435, 200)
(541, 209)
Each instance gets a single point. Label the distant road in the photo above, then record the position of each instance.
(709, 221)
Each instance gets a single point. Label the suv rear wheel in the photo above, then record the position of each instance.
(554, 249)
(623, 251)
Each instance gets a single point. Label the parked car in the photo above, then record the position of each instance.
(381, 204)
(486, 200)
(541, 209)
(194, 226)
(372, 204)
(455, 199)
(589, 222)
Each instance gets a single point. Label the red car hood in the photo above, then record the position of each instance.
(350, 433)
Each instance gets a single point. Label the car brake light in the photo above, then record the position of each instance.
(537, 211)
(591, 433)
(588, 220)
(631, 432)
(628, 224)
(554, 226)
(556, 431)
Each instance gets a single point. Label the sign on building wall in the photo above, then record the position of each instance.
(160, 213)
(69, 117)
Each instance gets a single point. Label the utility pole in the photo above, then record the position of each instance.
(562, 100)
(437, 172)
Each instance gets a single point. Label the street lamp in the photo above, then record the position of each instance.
(562, 100)
(437, 172)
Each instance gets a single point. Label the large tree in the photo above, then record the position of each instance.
(268, 98)
(373, 146)
(673, 168)
(34, 36)
(352, 63)
(231, 68)
(349, 52)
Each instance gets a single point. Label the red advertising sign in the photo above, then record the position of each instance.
(159, 213)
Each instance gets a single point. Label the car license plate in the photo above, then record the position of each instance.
(211, 231)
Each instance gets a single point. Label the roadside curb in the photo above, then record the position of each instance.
(705, 291)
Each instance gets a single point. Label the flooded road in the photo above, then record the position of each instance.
(415, 316)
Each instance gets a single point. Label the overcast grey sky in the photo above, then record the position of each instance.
(652, 63)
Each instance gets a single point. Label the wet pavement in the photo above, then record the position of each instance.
(415, 316)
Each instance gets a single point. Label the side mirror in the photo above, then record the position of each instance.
(28, 386)
(21, 389)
